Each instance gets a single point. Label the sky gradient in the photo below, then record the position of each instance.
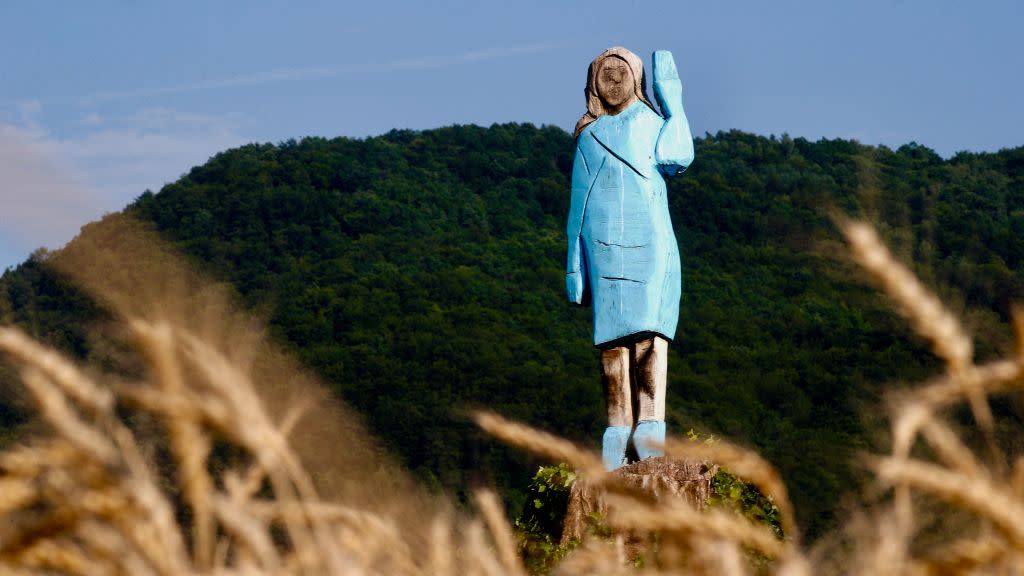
(100, 101)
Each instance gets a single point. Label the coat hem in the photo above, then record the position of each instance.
(629, 339)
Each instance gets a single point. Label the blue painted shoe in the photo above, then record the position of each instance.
(649, 438)
(613, 447)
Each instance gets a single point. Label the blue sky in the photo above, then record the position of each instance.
(102, 100)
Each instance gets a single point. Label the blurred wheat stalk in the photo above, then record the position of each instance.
(86, 498)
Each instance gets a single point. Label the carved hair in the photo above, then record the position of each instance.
(595, 108)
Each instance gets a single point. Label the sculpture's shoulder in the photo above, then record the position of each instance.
(637, 121)
(641, 127)
(586, 132)
(649, 115)
(586, 143)
(648, 120)
(637, 114)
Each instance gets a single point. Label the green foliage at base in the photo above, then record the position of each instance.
(731, 493)
(539, 527)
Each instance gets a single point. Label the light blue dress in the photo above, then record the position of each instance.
(622, 248)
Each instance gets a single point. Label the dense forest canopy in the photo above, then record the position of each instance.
(421, 275)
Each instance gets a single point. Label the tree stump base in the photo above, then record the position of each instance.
(661, 477)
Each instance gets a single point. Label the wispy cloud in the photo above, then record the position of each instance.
(124, 155)
(265, 77)
(317, 73)
(470, 57)
(50, 185)
(41, 202)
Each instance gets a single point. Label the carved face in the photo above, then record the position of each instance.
(615, 84)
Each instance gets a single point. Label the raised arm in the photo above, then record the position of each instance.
(674, 150)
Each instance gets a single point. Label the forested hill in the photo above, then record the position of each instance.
(421, 273)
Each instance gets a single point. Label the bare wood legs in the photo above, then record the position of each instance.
(652, 373)
(615, 373)
(634, 378)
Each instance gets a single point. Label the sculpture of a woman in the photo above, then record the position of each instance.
(623, 255)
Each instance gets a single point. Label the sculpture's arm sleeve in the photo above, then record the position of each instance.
(575, 268)
(674, 150)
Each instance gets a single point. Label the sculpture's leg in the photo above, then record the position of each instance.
(652, 372)
(618, 399)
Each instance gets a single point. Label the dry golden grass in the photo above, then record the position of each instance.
(270, 475)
